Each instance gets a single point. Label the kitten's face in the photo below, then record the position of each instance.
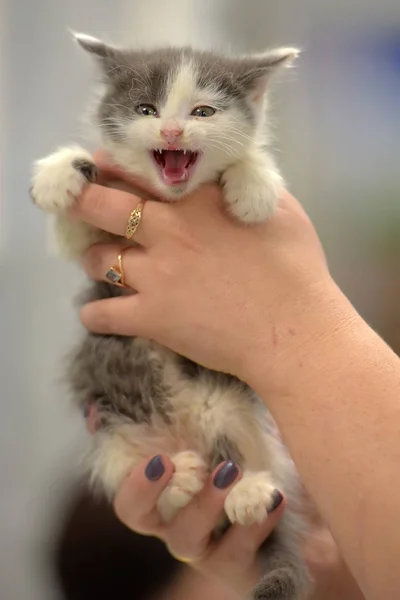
(179, 117)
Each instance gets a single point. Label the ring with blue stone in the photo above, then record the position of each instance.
(115, 275)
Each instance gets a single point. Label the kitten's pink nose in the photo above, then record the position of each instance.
(171, 133)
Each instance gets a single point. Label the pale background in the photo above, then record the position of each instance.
(339, 131)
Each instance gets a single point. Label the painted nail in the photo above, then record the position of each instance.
(226, 475)
(85, 411)
(155, 468)
(277, 499)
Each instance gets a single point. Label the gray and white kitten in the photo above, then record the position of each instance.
(179, 118)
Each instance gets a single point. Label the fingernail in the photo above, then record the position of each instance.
(277, 499)
(226, 475)
(155, 469)
(85, 411)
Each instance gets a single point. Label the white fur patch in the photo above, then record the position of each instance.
(181, 95)
(251, 187)
(248, 501)
(55, 185)
(56, 182)
(187, 481)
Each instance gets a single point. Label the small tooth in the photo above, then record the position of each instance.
(184, 152)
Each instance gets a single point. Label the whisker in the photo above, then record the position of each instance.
(225, 148)
(226, 139)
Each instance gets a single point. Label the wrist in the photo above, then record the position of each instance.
(300, 340)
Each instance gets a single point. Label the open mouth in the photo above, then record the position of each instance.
(175, 166)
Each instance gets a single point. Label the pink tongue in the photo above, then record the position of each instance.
(175, 164)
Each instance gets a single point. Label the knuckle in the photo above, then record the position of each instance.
(187, 240)
(184, 235)
(166, 215)
(164, 268)
(92, 201)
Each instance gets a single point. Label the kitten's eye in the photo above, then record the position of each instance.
(147, 110)
(203, 111)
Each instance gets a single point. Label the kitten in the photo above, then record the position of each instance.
(181, 117)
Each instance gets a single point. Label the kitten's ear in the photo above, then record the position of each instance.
(262, 66)
(279, 57)
(105, 55)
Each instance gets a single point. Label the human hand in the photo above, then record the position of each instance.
(230, 562)
(210, 288)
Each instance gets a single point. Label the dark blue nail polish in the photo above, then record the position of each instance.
(277, 499)
(226, 475)
(155, 468)
(85, 411)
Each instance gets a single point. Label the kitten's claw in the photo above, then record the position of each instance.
(87, 168)
(187, 481)
(251, 499)
(61, 177)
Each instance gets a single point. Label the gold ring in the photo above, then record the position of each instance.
(115, 275)
(134, 220)
(187, 561)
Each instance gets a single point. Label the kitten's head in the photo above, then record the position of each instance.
(179, 117)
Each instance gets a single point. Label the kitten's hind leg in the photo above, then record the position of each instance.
(251, 187)
(286, 575)
(252, 498)
(187, 481)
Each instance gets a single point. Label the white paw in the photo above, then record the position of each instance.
(251, 190)
(250, 499)
(187, 481)
(60, 177)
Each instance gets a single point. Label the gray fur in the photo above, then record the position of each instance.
(101, 372)
(224, 450)
(286, 576)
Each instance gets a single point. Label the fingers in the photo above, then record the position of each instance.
(100, 257)
(189, 534)
(114, 316)
(109, 210)
(234, 557)
(135, 503)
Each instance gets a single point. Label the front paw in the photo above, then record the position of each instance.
(251, 191)
(187, 481)
(251, 499)
(59, 178)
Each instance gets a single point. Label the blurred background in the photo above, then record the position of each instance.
(338, 132)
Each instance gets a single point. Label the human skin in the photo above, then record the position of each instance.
(259, 302)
